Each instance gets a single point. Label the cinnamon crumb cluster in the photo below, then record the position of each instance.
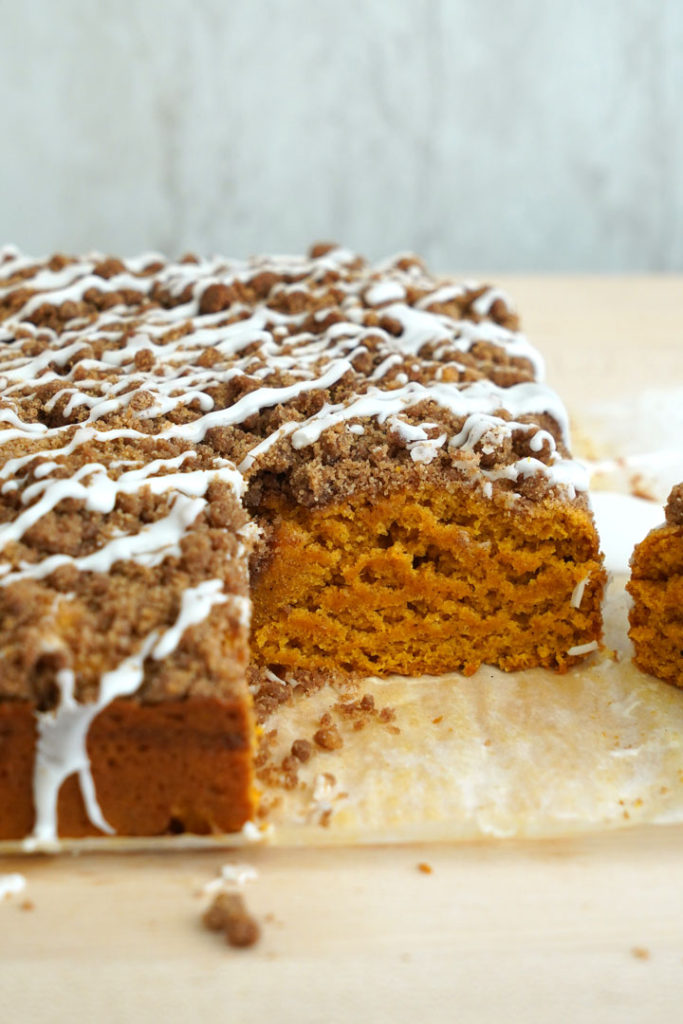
(228, 914)
(327, 735)
(674, 506)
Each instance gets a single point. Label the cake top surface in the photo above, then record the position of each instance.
(143, 400)
(287, 366)
(674, 506)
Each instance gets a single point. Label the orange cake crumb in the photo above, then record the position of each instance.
(427, 581)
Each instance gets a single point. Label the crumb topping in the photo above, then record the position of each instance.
(286, 366)
(674, 506)
(328, 737)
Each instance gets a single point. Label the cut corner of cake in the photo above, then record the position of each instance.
(361, 460)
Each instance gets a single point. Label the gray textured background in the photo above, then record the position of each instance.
(520, 135)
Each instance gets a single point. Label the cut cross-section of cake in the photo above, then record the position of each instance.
(656, 586)
(367, 455)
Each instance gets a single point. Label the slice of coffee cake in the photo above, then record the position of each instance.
(656, 586)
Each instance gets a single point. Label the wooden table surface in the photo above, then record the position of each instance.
(585, 929)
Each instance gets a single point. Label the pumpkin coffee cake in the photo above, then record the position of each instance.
(362, 461)
(656, 586)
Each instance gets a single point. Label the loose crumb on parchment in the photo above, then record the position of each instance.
(228, 913)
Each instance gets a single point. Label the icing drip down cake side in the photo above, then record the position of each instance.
(310, 464)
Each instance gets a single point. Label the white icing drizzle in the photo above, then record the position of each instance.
(578, 591)
(155, 371)
(253, 833)
(149, 547)
(446, 293)
(196, 604)
(482, 305)
(62, 733)
(583, 649)
(231, 877)
(11, 885)
(384, 291)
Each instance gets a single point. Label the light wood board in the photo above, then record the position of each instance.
(562, 930)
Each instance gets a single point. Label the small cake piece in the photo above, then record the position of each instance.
(228, 914)
(656, 586)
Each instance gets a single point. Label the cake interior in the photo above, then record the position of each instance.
(425, 581)
(656, 616)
